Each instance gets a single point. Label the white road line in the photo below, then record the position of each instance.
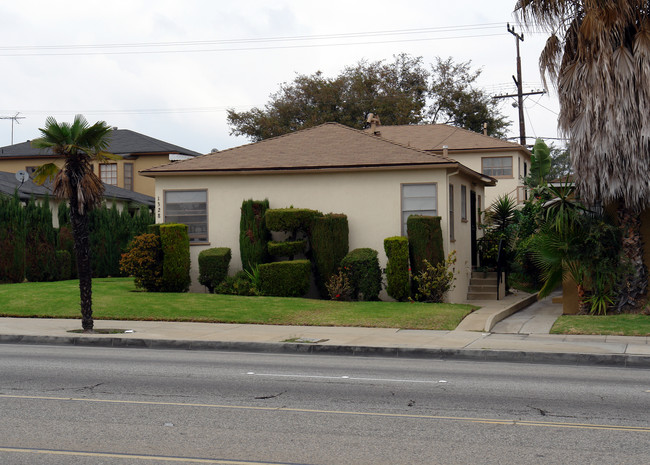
(352, 378)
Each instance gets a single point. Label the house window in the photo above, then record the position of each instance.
(463, 203)
(418, 199)
(190, 208)
(497, 166)
(451, 213)
(128, 176)
(108, 173)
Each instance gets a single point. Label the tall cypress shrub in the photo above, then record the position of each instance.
(12, 240)
(175, 244)
(329, 238)
(40, 256)
(253, 233)
(397, 268)
(425, 241)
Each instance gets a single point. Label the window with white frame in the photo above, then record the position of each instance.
(463, 203)
(497, 166)
(418, 199)
(191, 208)
(108, 173)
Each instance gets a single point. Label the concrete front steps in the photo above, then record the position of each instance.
(483, 286)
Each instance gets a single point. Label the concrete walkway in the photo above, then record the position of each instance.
(537, 318)
(470, 341)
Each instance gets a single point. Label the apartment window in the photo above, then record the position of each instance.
(497, 166)
(190, 208)
(108, 173)
(463, 203)
(128, 176)
(452, 236)
(418, 199)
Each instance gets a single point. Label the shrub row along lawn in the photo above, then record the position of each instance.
(117, 298)
(617, 325)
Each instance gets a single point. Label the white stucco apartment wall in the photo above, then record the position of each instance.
(506, 185)
(370, 199)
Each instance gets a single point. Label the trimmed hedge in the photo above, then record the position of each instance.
(397, 268)
(329, 238)
(175, 244)
(285, 279)
(362, 266)
(290, 220)
(287, 248)
(425, 241)
(63, 265)
(253, 233)
(12, 240)
(213, 266)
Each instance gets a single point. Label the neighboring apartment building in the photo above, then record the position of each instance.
(505, 161)
(138, 152)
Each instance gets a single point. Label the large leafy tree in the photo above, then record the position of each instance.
(598, 55)
(77, 144)
(403, 91)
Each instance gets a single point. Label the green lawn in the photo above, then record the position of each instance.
(117, 298)
(621, 325)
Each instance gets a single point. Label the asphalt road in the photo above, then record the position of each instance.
(73, 405)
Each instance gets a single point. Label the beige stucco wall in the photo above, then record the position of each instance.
(141, 184)
(370, 199)
(505, 185)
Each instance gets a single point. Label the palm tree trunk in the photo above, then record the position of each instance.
(635, 281)
(82, 249)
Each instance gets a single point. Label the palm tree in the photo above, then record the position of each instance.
(598, 57)
(77, 144)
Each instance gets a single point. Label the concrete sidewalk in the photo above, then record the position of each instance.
(470, 341)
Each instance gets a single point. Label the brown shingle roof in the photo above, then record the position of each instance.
(434, 136)
(328, 146)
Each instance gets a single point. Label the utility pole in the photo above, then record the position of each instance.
(14, 119)
(520, 93)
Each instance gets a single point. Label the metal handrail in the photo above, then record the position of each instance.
(500, 260)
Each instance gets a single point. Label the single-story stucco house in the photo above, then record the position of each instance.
(508, 162)
(376, 182)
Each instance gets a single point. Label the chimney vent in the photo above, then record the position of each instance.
(374, 122)
(485, 129)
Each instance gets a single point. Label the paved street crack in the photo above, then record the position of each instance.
(271, 396)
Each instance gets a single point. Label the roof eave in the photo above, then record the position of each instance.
(297, 170)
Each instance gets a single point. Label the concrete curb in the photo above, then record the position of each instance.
(506, 312)
(484, 355)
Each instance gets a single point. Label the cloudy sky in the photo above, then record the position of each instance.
(171, 68)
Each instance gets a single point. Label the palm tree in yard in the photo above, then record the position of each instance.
(598, 57)
(77, 144)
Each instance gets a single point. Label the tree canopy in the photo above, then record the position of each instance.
(403, 91)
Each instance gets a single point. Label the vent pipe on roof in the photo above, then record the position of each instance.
(374, 122)
(445, 150)
(485, 129)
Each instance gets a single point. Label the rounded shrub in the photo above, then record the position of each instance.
(213, 266)
(285, 279)
(397, 268)
(143, 260)
(362, 267)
